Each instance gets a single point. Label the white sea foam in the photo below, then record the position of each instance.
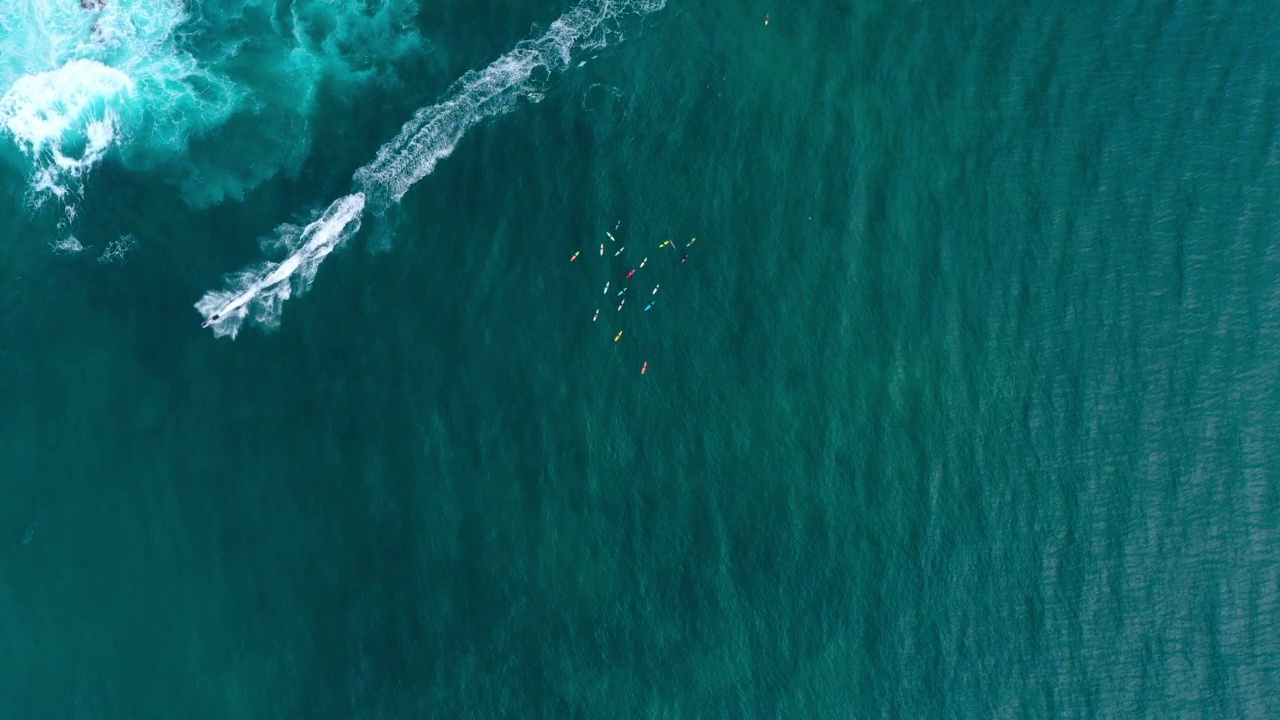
(64, 120)
(115, 250)
(67, 246)
(70, 82)
(431, 135)
(258, 292)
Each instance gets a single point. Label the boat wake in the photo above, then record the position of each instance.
(260, 290)
(256, 293)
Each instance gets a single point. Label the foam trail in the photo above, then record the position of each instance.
(265, 287)
(434, 131)
(431, 135)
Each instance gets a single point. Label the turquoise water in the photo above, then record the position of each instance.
(963, 404)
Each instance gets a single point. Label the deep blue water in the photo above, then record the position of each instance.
(963, 403)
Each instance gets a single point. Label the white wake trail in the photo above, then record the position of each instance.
(434, 131)
(431, 135)
(262, 289)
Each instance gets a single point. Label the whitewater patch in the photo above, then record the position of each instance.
(430, 136)
(72, 79)
(164, 87)
(64, 120)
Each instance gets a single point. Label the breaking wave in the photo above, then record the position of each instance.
(157, 84)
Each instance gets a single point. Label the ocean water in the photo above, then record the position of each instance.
(963, 403)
